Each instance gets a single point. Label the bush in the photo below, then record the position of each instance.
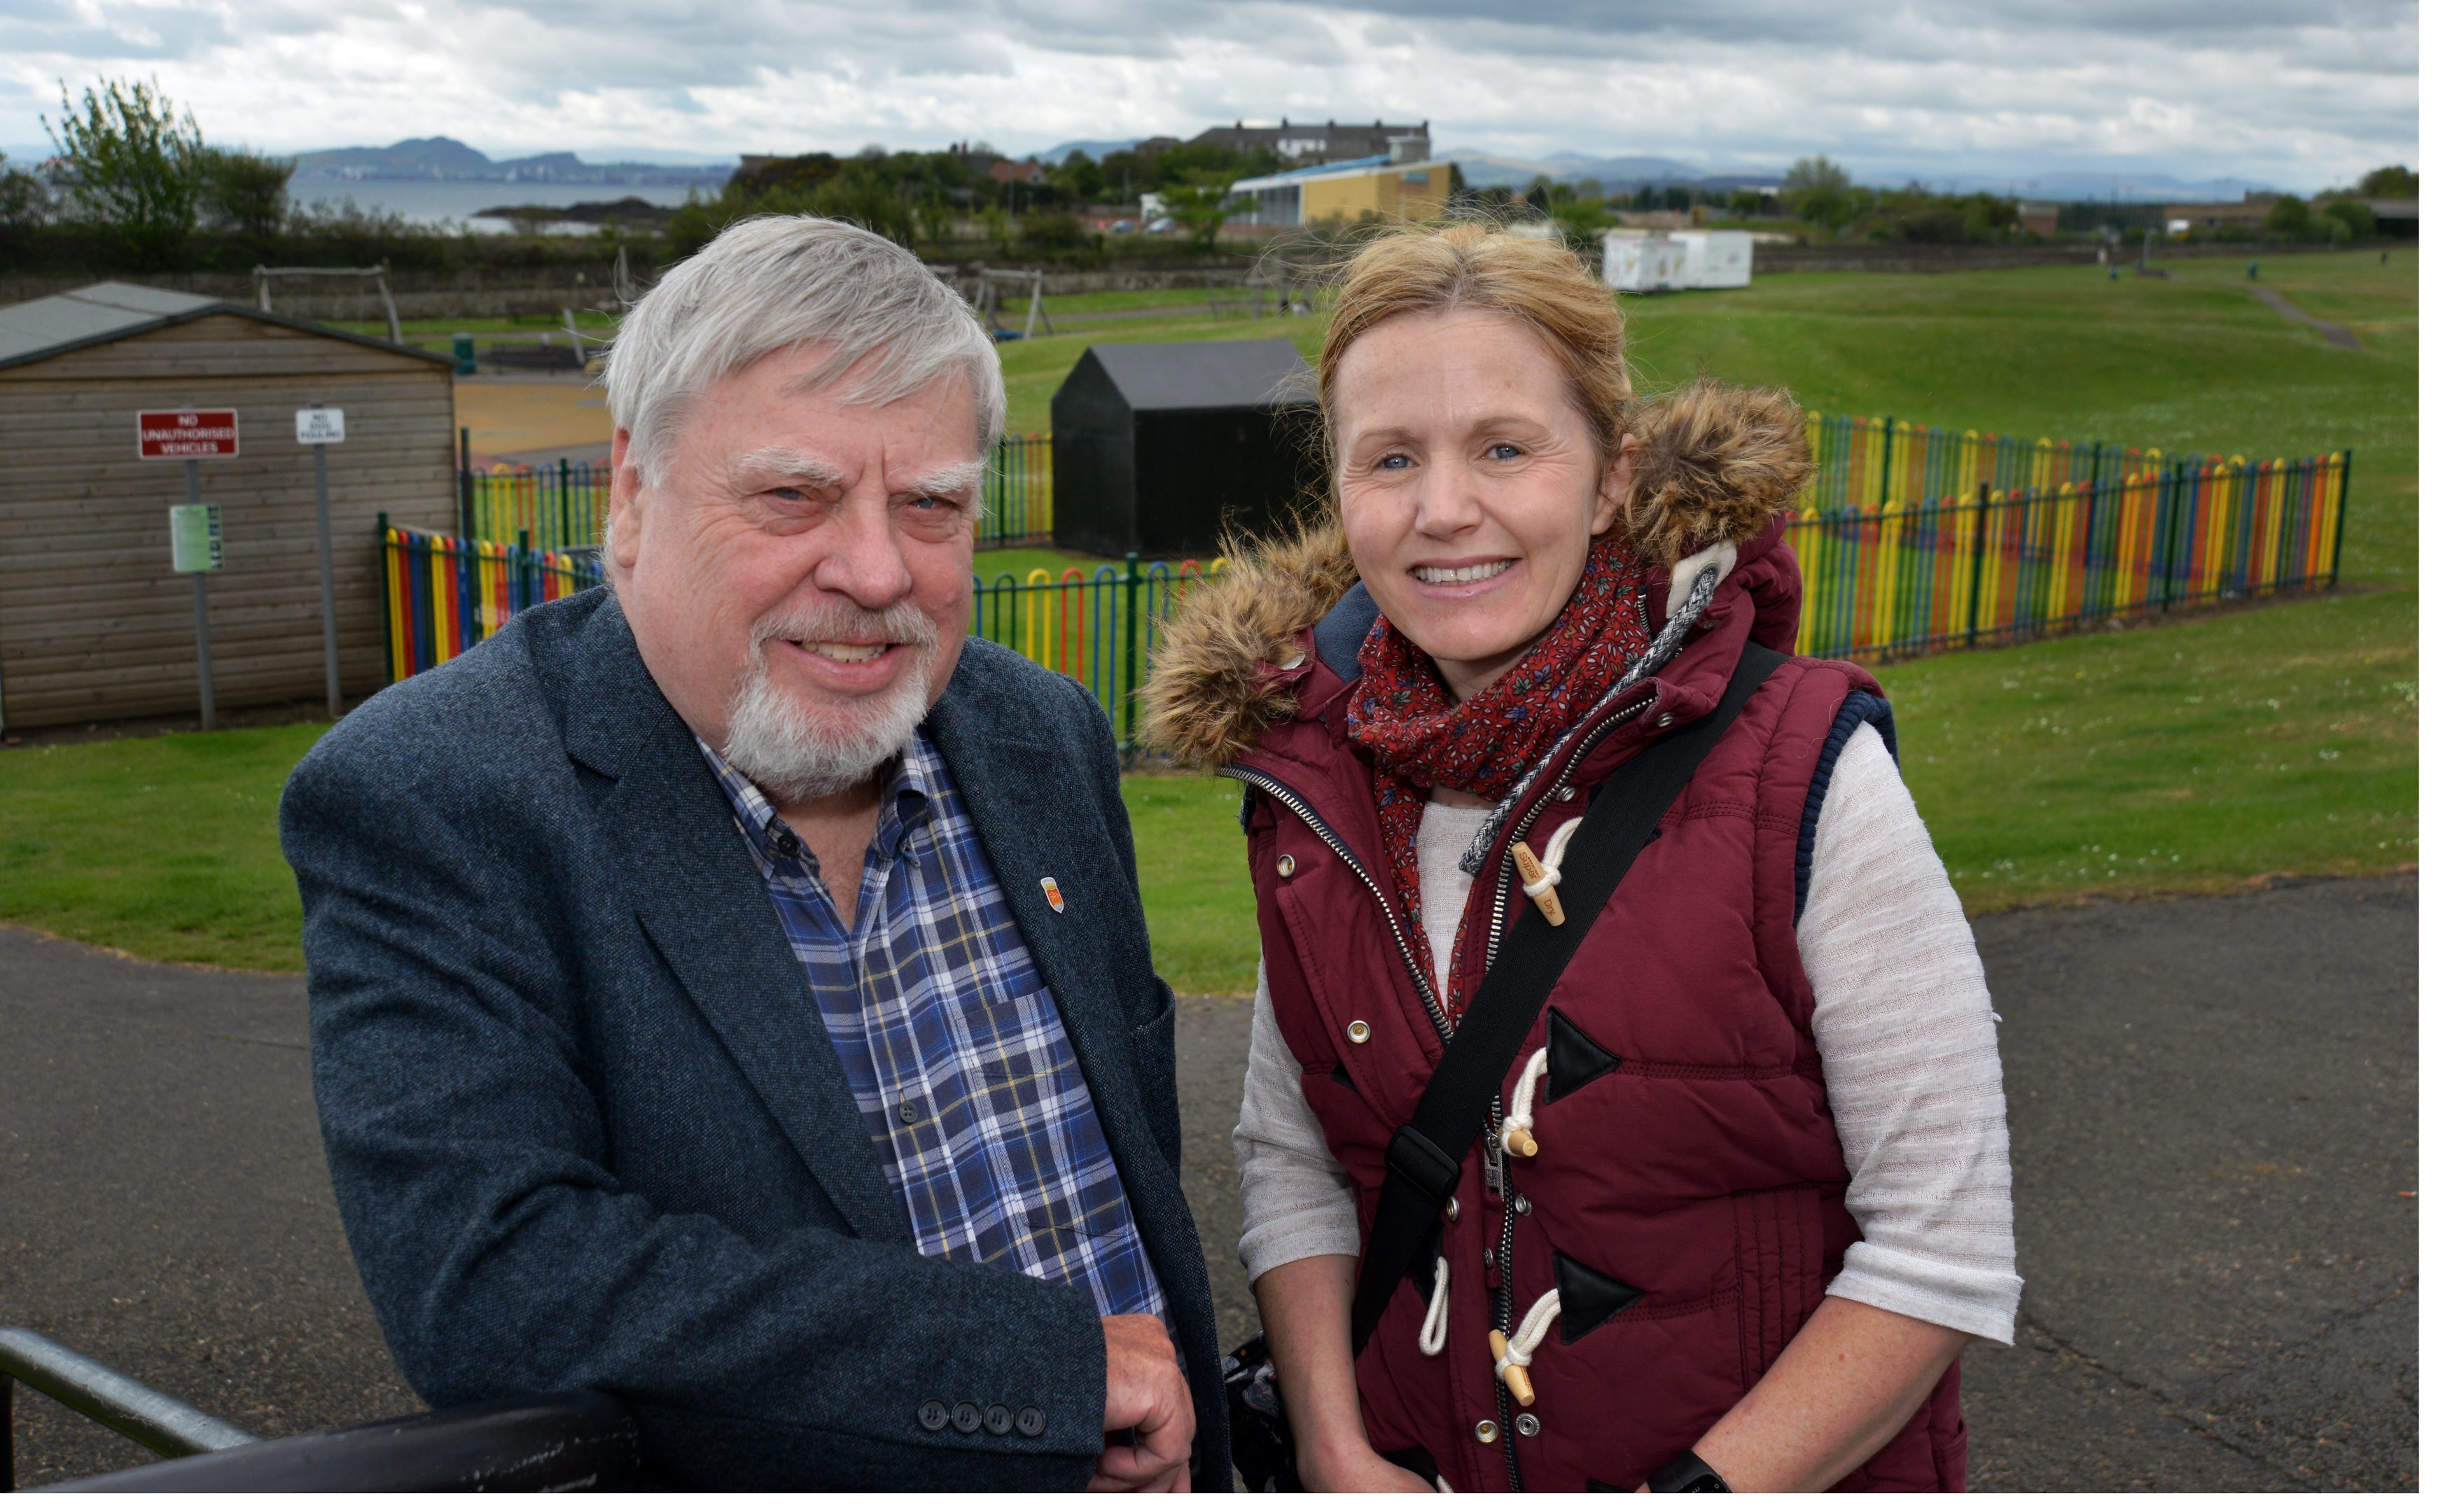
(245, 192)
(137, 164)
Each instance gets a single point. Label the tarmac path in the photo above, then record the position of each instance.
(2336, 335)
(2214, 1104)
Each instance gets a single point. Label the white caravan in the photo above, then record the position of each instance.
(1646, 262)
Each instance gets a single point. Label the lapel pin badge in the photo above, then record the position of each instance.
(1049, 891)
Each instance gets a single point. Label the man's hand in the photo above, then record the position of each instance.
(1147, 1396)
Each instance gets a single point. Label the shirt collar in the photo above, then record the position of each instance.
(905, 802)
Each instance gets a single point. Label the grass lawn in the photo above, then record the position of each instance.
(2195, 756)
(2192, 756)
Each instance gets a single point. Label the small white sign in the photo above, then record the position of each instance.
(194, 537)
(321, 427)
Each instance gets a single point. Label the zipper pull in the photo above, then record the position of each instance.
(1540, 884)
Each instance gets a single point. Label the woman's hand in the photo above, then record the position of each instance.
(1849, 1380)
(1306, 1307)
(1354, 1468)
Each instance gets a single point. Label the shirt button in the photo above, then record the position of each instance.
(1486, 1430)
(1286, 866)
(905, 1113)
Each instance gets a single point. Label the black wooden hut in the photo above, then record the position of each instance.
(1164, 449)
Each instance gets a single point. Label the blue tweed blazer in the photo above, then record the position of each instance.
(584, 1124)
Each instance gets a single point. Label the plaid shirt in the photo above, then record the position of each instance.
(955, 1051)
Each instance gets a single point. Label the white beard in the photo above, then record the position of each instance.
(794, 752)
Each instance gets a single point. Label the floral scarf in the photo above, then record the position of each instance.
(1419, 737)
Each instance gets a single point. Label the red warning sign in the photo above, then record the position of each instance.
(183, 434)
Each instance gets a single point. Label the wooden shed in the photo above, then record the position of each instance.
(1165, 448)
(94, 624)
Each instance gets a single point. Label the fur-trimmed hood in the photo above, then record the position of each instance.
(1714, 466)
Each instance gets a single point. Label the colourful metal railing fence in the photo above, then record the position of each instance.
(560, 508)
(441, 594)
(552, 509)
(1016, 493)
(2040, 537)
(2005, 564)
(1100, 628)
(1861, 461)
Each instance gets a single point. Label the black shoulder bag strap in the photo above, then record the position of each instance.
(1426, 1156)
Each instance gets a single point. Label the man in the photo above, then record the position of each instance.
(730, 989)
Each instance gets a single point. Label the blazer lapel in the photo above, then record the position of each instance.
(1011, 786)
(700, 898)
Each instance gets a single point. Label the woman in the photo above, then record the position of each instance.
(1748, 1194)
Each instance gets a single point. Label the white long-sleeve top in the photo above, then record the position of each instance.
(1908, 1046)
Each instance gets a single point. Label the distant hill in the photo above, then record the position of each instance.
(445, 157)
(1624, 174)
(1095, 151)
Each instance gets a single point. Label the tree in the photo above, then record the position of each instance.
(245, 191)
(2291, 217)
(1818, 190)
(2395, 181)
(138, 163)
(1082, 177)
(24, 199)
(1201, 205)
(2355, 219)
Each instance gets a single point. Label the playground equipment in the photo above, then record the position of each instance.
(378, 273)
(979, 286)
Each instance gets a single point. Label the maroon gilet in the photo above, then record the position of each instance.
(1686, 1201)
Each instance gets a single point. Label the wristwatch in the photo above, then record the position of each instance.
(1688, 1472)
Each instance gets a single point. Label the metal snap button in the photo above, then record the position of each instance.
(1030, 1422)
(1527, 1424)
(1664, 719)
(1451, 1210)
(932, 1414)
(1358, 1031)
(1486, 1430)
(1286, 866)
(967, 1417)
(997, 1419)
(1523, 1207)
(1565, 795)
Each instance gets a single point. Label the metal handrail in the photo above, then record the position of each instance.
(158, 1421)
(583, 1440)
(573, 1441)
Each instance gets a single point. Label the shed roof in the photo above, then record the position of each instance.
(40, 329)
(1205, 375)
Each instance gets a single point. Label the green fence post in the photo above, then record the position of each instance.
(563, 485)
(1980, 552)
(1887, 457)
(465, 481)
(2167, 594)
(2344, 487)
(1134, 609)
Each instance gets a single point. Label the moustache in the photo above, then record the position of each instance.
(838, 620)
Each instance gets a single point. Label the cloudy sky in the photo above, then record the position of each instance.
(2296, 94)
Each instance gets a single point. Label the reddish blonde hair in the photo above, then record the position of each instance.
(1476, 266)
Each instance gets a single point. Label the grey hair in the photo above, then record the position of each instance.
(769, 283)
